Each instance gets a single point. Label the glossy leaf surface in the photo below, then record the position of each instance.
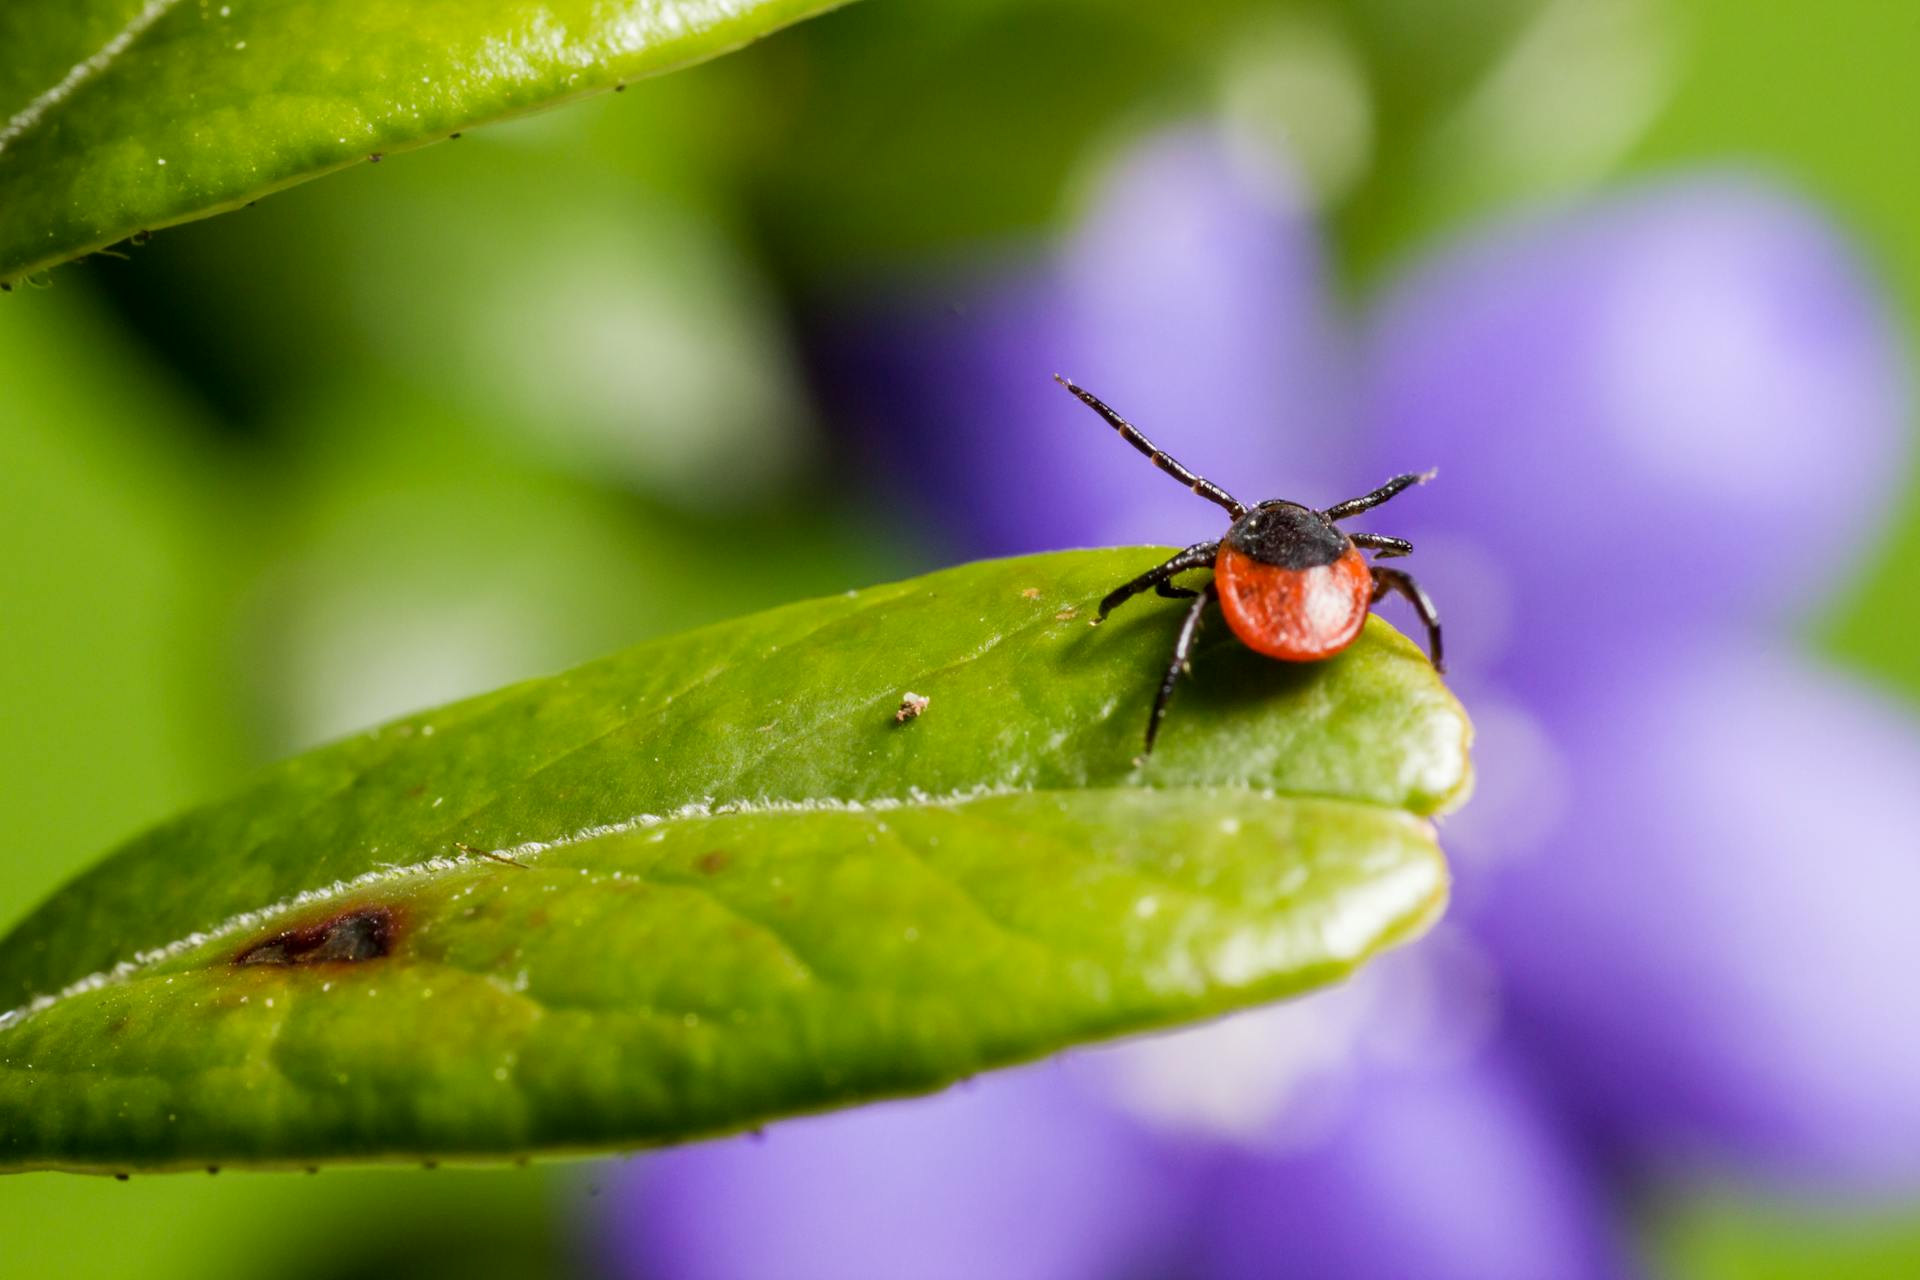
(714, 880)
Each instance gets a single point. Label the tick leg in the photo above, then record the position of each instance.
(1182, 651)
(1387, 547)
(1198, 556)
(1385, 580)
(1161, 459)
(1368, 501)
(1166, 589)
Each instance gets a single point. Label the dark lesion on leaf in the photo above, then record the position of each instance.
(364, 933)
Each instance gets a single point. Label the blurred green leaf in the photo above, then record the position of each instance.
(109, 649)
(1716, 1236)
(124, 115)
(712, 881)
(384, 593)
(611, 321)
(237, 1226)
(1490, 103)
(1380, 104)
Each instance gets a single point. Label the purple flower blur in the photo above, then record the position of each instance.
(1032, 1179)
(1713, 963)
(1680, 406)
(1679, 937)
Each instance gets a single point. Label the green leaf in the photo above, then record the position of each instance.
(118, 116)
(714, 880)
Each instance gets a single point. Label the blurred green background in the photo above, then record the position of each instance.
(291, 470)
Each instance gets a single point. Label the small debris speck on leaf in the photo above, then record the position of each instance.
(911, 705)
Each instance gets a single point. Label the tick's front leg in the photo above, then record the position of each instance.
(1182, 654)
(1198, 556)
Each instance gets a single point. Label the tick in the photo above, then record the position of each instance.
(1291, 583)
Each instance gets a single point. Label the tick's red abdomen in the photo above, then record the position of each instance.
(1296, 615)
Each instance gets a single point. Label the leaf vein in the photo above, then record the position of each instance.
(83, 71)
(960, 890)
(808, 967)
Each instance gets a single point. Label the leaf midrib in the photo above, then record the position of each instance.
(425, 870)
(83, 72)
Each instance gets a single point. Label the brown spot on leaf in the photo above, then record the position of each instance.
(1031, 593)
(364, 933)
(713, 862)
